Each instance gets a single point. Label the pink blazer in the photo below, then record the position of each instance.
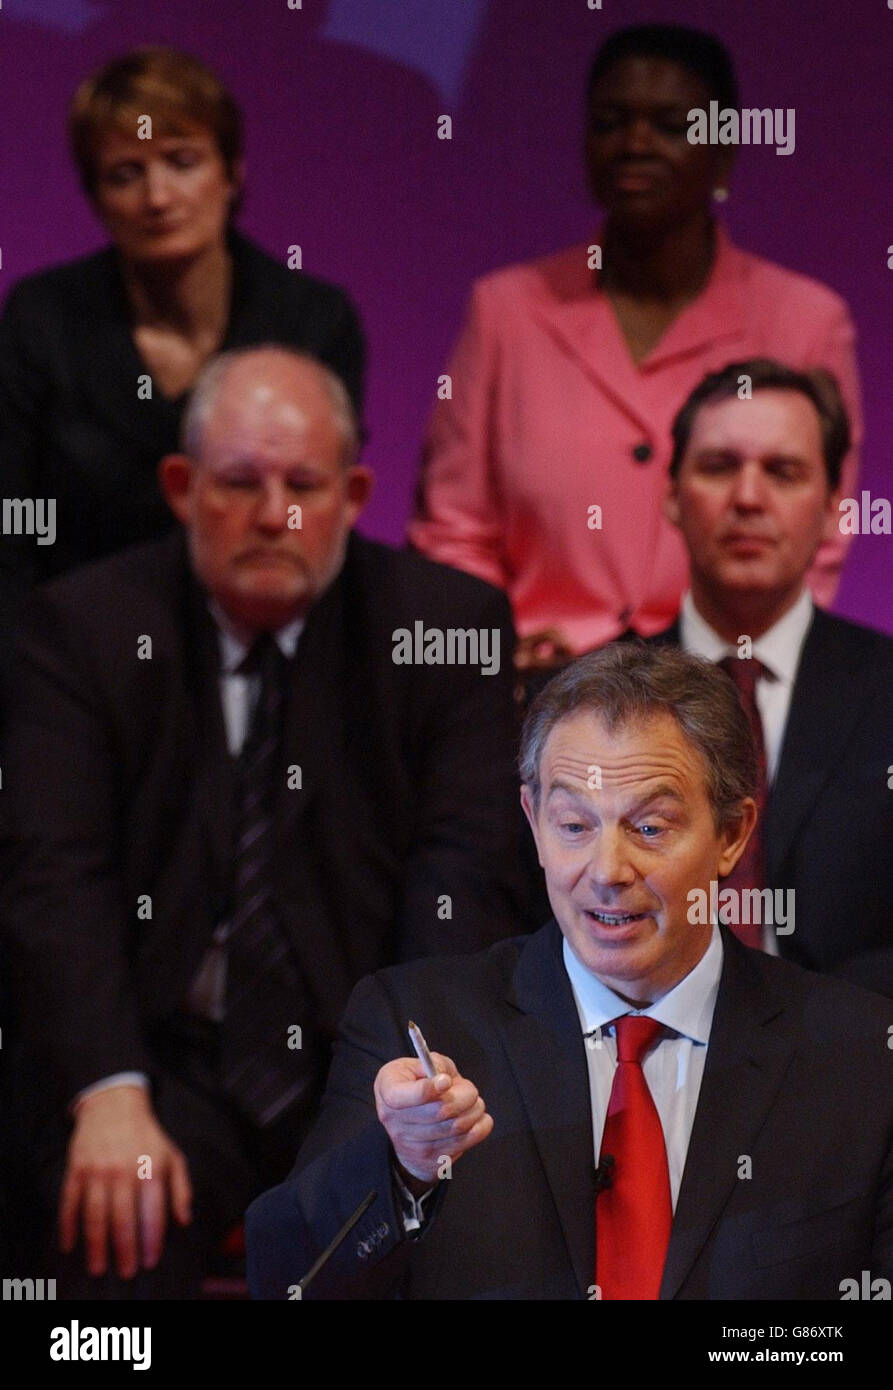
(550, 417)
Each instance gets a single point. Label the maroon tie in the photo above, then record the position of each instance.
(750, 871)
(634, 1214)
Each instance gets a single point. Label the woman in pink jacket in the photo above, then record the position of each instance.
(545, 471)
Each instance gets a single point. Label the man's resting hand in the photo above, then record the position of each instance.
(114, 1130)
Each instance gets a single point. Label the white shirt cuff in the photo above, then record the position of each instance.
(410, 1206)
(120, 1078)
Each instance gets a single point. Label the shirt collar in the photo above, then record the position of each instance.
(235, 642)
(687, 1008)
(778, 649)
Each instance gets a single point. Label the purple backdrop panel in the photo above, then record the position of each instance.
(342, 101)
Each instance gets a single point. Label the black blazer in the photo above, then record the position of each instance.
(829, 821)
(798, 1078)
(71, 424)
(116, 785)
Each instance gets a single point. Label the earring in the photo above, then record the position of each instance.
(720, 195)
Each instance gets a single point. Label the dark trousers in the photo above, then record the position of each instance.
(230, 1163)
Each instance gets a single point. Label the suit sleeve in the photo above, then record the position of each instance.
(61, 899)
(21, 395)
(871, 970)
(836, 350)
(458, 517)
(346, 1156)
(464, 887)
(882, 1251)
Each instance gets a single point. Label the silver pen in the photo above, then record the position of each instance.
(421, 1048)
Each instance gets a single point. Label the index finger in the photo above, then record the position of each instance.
(444, 1064)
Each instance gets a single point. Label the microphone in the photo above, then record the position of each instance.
(341, 1236)
(604, 1173)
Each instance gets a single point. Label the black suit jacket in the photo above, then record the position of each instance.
(72, 426)
(797, 1079)
(829, 821)
(116, 786)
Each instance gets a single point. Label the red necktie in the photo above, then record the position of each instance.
(750, 871)
(634, 1214)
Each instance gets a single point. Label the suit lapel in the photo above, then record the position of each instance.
(583, 321)
(546, 1051)
(823, 711)
(745, 1067)
(564, 298)
(313, 719)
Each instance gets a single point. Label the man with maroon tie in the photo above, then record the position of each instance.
(624, 1105)
(754, 487)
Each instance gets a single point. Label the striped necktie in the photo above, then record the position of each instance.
(264, 994)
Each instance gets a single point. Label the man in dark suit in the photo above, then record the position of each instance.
(739, 1147)
(755, 484)
(239, 775)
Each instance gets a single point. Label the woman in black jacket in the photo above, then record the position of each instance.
(97, 356)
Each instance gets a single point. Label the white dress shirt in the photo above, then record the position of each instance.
(238, 697)
(673, 1069)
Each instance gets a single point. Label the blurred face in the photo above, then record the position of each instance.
(621, 859)
(269, 503)
(751, 497)
(641, 167)
(163, 199)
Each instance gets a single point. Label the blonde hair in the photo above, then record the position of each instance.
(176, 90)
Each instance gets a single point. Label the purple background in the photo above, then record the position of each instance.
(341, 100)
